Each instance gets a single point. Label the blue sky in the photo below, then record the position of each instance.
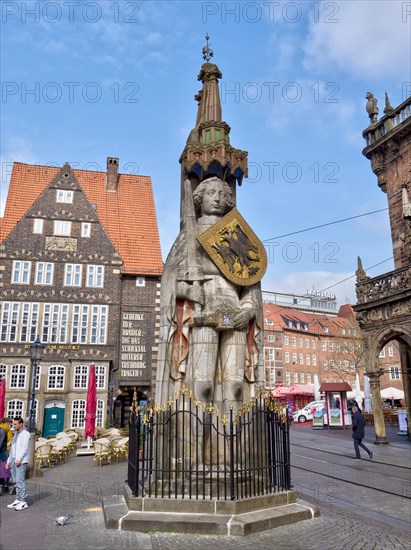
(114, 78)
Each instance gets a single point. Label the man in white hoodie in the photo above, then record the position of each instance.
(17, 462)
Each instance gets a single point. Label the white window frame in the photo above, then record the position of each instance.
(100, 377)
(141, 281)
(307, 359)
(287, 357)
(286, 341)
(324, 345)
(95, 276)
(295, 358)
(295, 377)
(18, 376)
(301, 359)
(38, 225)
(302, 378)
(78, 413)
(64, 195)
(80, 377)
(287, 378)
(9, 321)
(300, 342)
(44, 273)
(294, 341)
(312, 344)
(382, 353)
(62, 228)
(308, 377)
(270, 338)
(100, 413)
(3, 372)
(395, 373)
(307, 343)
(86, 230)
(14, 410)
(73, 274)
(21, 272)
(391, 351)
(56, 377)
(314, 358)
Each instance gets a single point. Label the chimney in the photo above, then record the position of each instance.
(112, 175)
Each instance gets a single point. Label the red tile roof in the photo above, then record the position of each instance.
(128, 215)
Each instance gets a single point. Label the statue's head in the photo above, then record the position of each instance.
(213, 197)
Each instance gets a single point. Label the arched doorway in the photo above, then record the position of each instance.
(123, 403)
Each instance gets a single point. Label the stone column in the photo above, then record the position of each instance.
(405, 358)
(379, 423)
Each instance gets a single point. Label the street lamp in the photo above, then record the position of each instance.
(36, 353)
(111, 386)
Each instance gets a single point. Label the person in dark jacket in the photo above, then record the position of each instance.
(358, 425)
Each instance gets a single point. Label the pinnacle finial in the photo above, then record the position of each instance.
(207, 51)
(388, 106)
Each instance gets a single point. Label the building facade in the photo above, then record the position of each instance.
(80, 270)
(384, 302)
(298, 345)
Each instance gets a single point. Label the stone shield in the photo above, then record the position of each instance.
(235, 249)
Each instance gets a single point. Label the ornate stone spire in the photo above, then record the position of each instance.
(208, 151)
(360, 273)
(388, 107)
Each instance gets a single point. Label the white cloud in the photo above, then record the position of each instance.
(370, 39)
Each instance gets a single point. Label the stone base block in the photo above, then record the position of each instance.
(236, 518)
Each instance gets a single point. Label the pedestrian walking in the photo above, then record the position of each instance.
(358, 428)
(17, 462)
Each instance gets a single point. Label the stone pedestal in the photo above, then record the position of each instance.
(213, 517)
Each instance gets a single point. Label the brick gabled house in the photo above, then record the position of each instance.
(80, 269)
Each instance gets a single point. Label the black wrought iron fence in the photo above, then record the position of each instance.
(185, 449)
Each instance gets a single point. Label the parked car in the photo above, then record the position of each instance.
(306, 413)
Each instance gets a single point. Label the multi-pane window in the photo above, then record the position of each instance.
(314, 360)
(9, 321)
(95, 275)
(270, 338)
(269, 356)
(44, 273)
(346, 364)
(55, 321)
(287, 357)
(56, 377)
(3, 371)
(394, 373)
(28, 324)
(337, 346)
(300, 342)
(98, 327)
(308, 377)
(62, 227)
(294, 358)
(38, 225)
(307, 343)
(324, 345)
(390, 351)
(100, 377)
(286, 341)
(287, 377)
(302, 378)
(272, 376)
(382, 352)
(324, 364)
(295, 377)
(38, 372)
(307, 359)
(15, 408)
(312, 344)
(21, 272)
(294, 341)
(301, 359)
(72, 274)
(80, 377)
(330, 346)
(64, 196)
(100, 413)
(86, 229)
(18, 377)
(78, 412)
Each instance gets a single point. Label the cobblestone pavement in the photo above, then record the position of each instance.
(78, 486)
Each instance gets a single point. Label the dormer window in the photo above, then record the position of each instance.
(64, 196)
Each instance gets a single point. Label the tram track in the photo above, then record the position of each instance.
(406, 468)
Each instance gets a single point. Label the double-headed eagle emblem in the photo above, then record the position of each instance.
(235, 249)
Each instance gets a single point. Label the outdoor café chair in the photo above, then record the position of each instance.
(102, 452)
(42, 455)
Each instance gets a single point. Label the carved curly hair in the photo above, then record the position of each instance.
(199, 194)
